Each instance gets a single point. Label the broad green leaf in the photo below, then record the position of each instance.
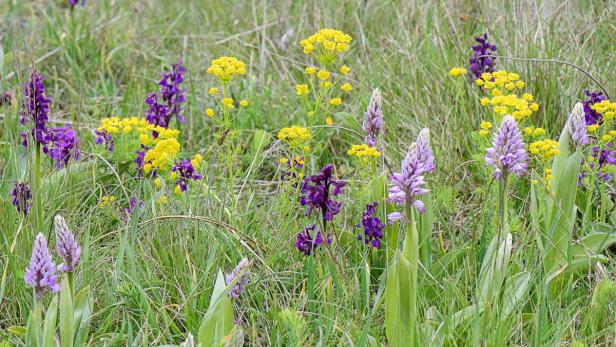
(82, 310)
(66, 314)
(516, 290)
(218, 320)
(49, 324)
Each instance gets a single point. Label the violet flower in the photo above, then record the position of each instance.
(66, 246)
(306, 243)
(604, 157)
(507, 154)
(61, 144)
(316, 193)
(172, 98)
(592, 116)
(21, 196)
(184, 171)
(73, 3)
(103, 137)
(373, 228)
(424, 152)
(35, 108)
(373, 119)
(407, 184)
(576, 125)
(483, 59)
(41, 273)
(242, 282)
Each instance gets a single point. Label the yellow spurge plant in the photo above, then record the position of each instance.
(323, 94)
(226, 69)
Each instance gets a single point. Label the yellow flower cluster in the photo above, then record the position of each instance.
(501, 86)
(301, 89)
(139, 126)
(457, 71)
(485, 128)
(226, 69)
(548, 175)
(294, 135)
(364, 152)
(162, 156)
(327, 41)
(107, 200)
(606, 108)
(534, 132)
(545, 149)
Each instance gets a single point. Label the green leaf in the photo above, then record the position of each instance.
(49, 324)
(66, 314)
(82, 306)
(218, 320)
(426, 222)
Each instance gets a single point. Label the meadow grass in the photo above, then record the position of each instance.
(152, 276)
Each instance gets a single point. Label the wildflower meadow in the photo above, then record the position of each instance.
(307, 173)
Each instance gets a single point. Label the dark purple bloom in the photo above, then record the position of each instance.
(576, 126)
(507, 153)
(483, 59)
(35, 108)
(61, 144)
(73, 3)
(242, 282)
(21, 196)
(103, 137)
(373, 119)
(604, 157)
(132, 203)
(139, 160)
(592, 116)
(160, 113)
(184, 171)
(305, 242)
(66, 246)
(373, 228)
(316, 194)
(41, 273)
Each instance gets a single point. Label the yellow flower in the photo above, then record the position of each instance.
(162, 200)
(196, 161)
(606, 138)
(496, 92)
(345, 69)
(209, 112)
(527, 97)
(301, 89)
(162, 156)
(107, 200)
(347, 87)
(227, 68)
(363, 152)
(327, 39)
(509, 86)
(534, 107)
(457, 71)
(228, 102)
(519, 84)
(323, 75)
(212, 91)
(294, 134)
(528, 131)
(329, 121)
(535, 182)
(484, 101)
(327, 85)
(545, 149)
(177, 190)
(310, 70)
(244, 103)
(335, 101)
(284, 160)
(479, 82)
(484, 133)
(538, 132)
(157, 182)
(485, 125)
(593, 128)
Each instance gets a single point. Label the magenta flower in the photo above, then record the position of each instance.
(66, 246)
(591, 116)
(576, 125)
(373, 119)
(373, 228)
(483, 59)
(242, 282)
(185, 171)
(160, 113)
(507, 154)
(41, 273)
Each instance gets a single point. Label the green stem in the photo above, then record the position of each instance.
(411, 252)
